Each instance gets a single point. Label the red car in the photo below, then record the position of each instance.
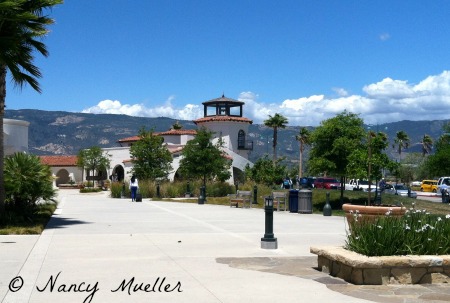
(327, 183)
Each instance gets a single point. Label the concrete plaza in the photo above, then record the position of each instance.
(98, 249)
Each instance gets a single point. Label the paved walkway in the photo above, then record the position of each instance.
(98, 249)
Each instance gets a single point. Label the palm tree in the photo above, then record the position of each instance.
(22, 23)
(303, 138)
(427, 144)
(276, 122)
(401, 141)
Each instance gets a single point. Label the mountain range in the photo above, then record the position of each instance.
(65, 133)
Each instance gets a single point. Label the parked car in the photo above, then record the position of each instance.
(327, 183)
(400, 190)
(416, 183)
(443, 183)
(362, 185)
(429, 186)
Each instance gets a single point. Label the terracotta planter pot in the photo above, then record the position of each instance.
(370, 213)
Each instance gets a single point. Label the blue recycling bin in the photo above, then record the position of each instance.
(293, 201)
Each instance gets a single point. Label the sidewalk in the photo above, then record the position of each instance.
(98, 249)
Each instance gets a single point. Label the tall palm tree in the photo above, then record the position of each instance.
(22, 25)
(401, 141)
(276, 122)
(427, 144)
(303, 138)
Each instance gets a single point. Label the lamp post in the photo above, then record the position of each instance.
(269, 241)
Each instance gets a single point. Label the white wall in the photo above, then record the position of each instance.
(15, 136)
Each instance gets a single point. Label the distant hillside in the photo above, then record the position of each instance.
(57, 132)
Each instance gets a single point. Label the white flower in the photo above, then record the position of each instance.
(407, 227)
(380, 227)
(447, 216)
(439, 219)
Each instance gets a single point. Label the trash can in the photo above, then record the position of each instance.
(293, 200)
(305, 201)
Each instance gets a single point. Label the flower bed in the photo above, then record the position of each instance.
(409, 249)
(362, 270)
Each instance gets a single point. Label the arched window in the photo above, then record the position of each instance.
(241, 139)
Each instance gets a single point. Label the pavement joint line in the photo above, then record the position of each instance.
(183, 269)
(202, 223)
(31, 269)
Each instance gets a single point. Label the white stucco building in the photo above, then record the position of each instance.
(223, 116)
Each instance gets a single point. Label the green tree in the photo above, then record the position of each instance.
(427, 144)
(150, 156)
(333, 141)
(303, 138)
(22, 25)
(93, 160)
(27, 180)
(401, 141)
(204, 159)
(266, 172)
(439, 163)
(276, 122)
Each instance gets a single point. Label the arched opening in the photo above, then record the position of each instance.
(118, 174)
(62, 177)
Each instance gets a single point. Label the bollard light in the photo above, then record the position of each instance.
(269, 241)
(255, 195)
(158, 194)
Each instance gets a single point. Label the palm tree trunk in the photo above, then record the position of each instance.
(275, 133)
(2, 151)
(300, 161)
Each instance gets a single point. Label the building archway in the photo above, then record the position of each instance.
(62, 177)
(118, 173)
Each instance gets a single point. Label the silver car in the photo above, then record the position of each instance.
(399, 189)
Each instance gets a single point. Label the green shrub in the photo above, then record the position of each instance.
(415, 233)
(90, 190)
(116, 189)
(27, 181)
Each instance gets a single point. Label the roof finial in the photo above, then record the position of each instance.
(223, 95)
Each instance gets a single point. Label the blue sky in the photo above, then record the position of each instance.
(308, 60)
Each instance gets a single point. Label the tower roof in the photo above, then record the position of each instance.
(223, 99)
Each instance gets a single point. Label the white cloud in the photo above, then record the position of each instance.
(384, 36)
(386, 101)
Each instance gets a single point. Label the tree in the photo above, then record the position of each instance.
(303, 138)
(401, 141)
(266, 172)
(333, 141)
(427, 144)
(150, 156)
(22, 24)
(439, 163)
(204, 159)
(276, 122)
(93, 160)
(27, 180)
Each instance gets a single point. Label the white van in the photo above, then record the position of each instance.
(443, 182)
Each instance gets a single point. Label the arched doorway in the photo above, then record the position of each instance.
(118, 173)
(62, 177)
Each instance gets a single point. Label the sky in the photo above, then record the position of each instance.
(386, 60)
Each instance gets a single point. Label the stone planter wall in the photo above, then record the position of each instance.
(363, 270)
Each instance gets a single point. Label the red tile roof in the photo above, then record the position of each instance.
(178, 132)
(172, 132)
(59, 160)
(223, 118)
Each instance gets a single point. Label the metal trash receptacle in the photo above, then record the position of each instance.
(293, 200)
(305, 201)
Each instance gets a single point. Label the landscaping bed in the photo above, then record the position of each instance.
(362, 270)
